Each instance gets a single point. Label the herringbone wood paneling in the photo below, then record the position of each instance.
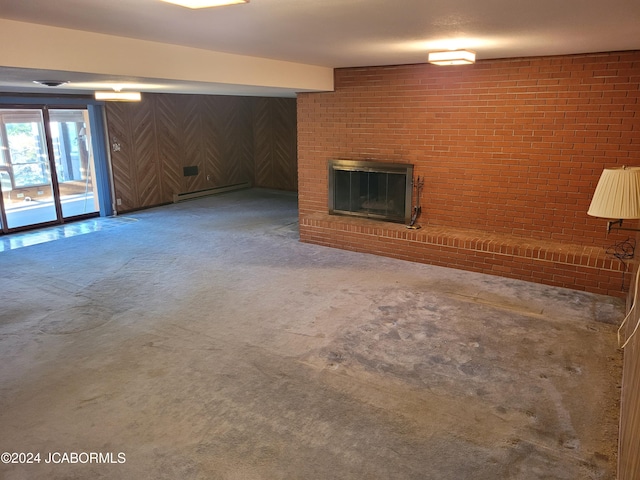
(284, 144)
(275, 143)
(122, 165)
(212, 142)
(230, 139)
(192, 141)
(144, 146)
(236, 136)
(262, 134)
(168, 127)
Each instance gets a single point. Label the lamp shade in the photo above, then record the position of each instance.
(617, 194)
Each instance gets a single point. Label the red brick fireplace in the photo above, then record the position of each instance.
(510, 152)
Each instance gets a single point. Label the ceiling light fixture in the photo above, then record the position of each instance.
(51, 83)
(205, 3)
(118, 96)
(452, 57)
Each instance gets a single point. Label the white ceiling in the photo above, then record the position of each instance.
(339, 33)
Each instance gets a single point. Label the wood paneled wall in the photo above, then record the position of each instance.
(229, 139)
(629, 436)
(275, 126)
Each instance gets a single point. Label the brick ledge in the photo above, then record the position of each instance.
(573, 266)
(470, 239)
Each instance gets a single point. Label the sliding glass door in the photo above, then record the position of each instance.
(74, 165)
(46, 167)
(27, 187)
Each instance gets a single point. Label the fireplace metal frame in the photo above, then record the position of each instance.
(376, 167)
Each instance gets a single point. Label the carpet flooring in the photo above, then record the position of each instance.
(203, 340)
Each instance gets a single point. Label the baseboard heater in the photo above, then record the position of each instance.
(179, 197)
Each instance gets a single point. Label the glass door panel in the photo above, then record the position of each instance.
(71, 138)
(25, 173)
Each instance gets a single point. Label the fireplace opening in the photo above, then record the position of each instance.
(370, 189)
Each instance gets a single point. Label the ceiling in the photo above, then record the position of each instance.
(337, 33)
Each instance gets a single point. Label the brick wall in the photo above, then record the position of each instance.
(509, 150)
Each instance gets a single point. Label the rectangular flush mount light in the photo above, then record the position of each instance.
(204, 3)
(118, 96)
(452, 57)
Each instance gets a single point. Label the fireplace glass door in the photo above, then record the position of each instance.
(369, 189)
